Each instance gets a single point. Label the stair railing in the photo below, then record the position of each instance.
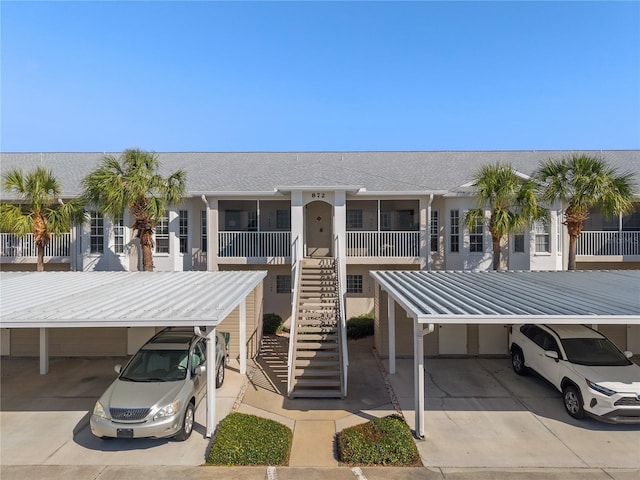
(342, 331)
(293, 331)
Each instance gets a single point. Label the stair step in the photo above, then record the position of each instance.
(303, 382)
(317, 363)
(316, 393)
(315, 345)
(324, 354)
(323, 337)
(317, 372)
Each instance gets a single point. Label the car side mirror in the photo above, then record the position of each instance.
(118, 368)
(200, 369)
(628, 354)
(552, 354)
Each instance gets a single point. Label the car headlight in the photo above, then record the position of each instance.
(167, 411)
(599, 388)
(98, 410)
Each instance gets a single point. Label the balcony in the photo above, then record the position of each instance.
(383, 244)
(254, 244)
(618, 243)
(24, 247)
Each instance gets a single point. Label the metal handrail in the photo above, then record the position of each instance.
(295, 281)
(342, 331)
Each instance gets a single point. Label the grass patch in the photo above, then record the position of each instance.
(384, 441)
(360, 326)
(243, 439)
(271, 323)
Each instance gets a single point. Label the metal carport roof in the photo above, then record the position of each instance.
(594, 297)
(121, 299)
(128, 299)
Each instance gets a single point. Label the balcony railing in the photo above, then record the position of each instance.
(383, 244)
(24, 246)
(609, 243)
(254, 244)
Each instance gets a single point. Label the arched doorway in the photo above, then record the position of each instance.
(318, 229)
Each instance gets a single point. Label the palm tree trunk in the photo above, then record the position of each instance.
(496, 253)
(40, 264)
(146, 243)
(573, 249)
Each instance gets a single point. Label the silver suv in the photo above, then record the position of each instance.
(157, 392)
(594, 376)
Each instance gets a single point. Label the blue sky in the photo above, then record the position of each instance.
(295, 76)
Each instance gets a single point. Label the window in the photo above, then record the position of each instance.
(203, 230)
(518, 242)
(476, 234)
(118, 235)
(97, 233)
(283, 219)
(354, 219)
(252, 217)
(385, 220)
(541, 231)
(454, 233)
(283, 283)
(354, 283)
(433, 232)
(183, 229)
(162, 235)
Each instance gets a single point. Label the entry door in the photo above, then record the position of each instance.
(318, 233)
(452, 340)
(493, 340)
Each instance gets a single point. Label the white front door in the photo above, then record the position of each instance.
(452, 339)
(318, 232)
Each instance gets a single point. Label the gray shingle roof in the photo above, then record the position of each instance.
(210, 172)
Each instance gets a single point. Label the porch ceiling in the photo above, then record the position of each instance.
(514, 297)
(122, 299)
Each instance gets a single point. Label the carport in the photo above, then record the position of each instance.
(201, 300)
(430, 298)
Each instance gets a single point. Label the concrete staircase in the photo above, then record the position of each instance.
(317, 356)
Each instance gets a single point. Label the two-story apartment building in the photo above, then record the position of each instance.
(364, 211)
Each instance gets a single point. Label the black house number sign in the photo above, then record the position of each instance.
(317, 195)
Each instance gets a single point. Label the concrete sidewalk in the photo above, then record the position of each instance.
(102, 472)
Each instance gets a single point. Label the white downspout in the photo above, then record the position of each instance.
(418, 363)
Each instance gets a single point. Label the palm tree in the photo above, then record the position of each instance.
(581, 183)
(132, 181)
(511, 199)
(41, 212)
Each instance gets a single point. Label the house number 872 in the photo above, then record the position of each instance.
(317, 195)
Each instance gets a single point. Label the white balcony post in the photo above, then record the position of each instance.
(391, 316)
(243, 336)
(297, 226)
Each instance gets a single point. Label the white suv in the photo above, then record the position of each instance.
(594, 376)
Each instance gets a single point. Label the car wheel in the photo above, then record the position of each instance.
(517, 362)
(573, 401)
(220, 374)
(187, 424)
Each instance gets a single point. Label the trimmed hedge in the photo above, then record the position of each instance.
(360, 326)
(271, 323)
(243, 439)
(383, 441)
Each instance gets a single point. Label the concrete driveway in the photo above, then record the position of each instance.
(45, 418)
(479, 413)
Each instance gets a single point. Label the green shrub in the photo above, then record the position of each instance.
(360, 326)
(271, 323)
(249, 440)
(383, 441)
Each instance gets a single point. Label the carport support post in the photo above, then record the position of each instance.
(418, 383)
(391, 316)
(44, 351)
(211, 382)
(243, 336)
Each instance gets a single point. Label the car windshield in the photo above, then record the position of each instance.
(593, 352)
(156, 366)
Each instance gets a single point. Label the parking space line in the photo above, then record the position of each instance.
(358, 473)
(272, 474)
